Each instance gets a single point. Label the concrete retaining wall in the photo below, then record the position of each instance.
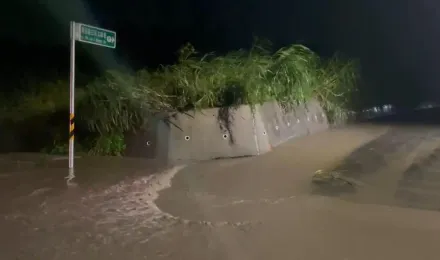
(225, 132)
(283, 125)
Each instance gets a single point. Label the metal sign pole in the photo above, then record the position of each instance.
(72, 101)
(92, 35)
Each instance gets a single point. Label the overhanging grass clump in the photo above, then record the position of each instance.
(292, 75)
(119, 102)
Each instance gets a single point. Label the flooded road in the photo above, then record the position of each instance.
(399, 168)
(41, 213)
(383, 188)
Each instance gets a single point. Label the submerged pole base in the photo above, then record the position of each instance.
(70, 178)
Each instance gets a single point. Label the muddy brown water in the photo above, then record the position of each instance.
(265, 207)
(401, 168)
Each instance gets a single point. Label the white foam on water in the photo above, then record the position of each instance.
(129, 207)
(127, 211)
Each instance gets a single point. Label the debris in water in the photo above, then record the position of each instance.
(334, 178)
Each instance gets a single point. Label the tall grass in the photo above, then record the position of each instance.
(118, 102)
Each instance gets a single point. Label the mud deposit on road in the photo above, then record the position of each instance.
(419, 186)
(401, 168)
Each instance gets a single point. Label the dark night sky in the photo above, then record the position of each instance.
(397, 41)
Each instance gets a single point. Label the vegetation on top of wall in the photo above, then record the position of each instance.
(119, 102)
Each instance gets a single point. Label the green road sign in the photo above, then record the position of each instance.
(94, 35)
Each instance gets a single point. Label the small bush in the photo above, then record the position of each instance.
(111, 144)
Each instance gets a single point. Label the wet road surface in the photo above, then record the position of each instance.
(399, 168)
(382, 204)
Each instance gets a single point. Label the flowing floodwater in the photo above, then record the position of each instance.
(120, 207)
(252, 208)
